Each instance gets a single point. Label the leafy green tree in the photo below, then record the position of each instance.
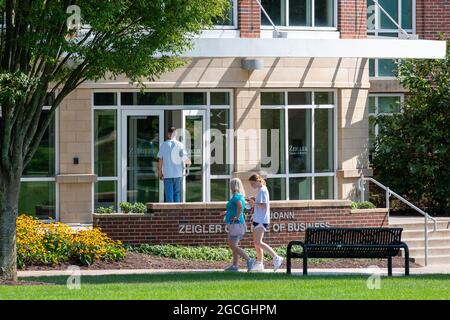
(412, 152)
(42, 51)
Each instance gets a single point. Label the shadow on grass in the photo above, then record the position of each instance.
(222, 276)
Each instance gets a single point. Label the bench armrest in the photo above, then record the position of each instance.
(405, 247)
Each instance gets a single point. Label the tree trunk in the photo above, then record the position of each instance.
(9, 198)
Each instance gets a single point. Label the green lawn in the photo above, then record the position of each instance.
(215, 285)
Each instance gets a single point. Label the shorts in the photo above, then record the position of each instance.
(265, 226)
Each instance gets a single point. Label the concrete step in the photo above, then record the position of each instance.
(420, 226)
(432, 242)
(432, 251)
(416, 234)
(433, 260)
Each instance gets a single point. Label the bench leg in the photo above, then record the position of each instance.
(406, 251)
(305, 265)
(390, 266)
(288, 264)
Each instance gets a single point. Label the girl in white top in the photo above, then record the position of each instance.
(261, 221)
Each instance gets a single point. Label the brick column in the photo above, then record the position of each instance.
(432, 17)
(249, 18)
(352, 19)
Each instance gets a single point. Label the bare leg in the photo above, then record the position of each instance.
(258, 249)
(258, 235)
(241, 252)
(232, 245)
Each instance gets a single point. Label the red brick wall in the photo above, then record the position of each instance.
(164, 226)
(352, 19)
(249, 18)
(432, 17)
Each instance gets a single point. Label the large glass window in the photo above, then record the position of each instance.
(38, 187)
(300, 141)
(229, 16)
(300, 162)
(220, 189)
(105, 140)
(277, 188)
(43, 162)
(386, 104)
(401, 11)
(163, 98)
(379, 24)
(38, 198)
(219, 125)
(273, 131)
(105, 158)
(323, 138)
(300, 13)
(108, 110)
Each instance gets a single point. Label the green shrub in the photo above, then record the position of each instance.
(139, 207)
(126, 207)
(363, 205)
(103, 210)
(201, 253)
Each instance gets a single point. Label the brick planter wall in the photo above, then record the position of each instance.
(202, 224)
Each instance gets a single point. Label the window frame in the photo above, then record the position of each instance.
(313, 27)
(286, 107)
(377, 113)
(234, 26)
(52, 178)
(119, 111)
(375, 33)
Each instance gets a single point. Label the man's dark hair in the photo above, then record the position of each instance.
(171, 130)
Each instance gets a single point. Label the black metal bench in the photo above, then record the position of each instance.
(380, 243)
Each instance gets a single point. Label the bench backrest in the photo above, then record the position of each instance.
(352, 238)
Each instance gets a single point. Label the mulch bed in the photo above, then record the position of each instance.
(147, 261)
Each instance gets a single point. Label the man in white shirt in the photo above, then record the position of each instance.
(171, 157)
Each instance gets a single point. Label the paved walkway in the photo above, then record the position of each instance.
(437, 269)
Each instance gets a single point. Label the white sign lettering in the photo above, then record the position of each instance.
(277, 226)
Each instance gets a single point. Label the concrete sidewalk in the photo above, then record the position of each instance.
(437, 269)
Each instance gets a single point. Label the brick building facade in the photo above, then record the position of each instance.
(102, 147)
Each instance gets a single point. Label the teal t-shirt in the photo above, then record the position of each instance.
(232, 207)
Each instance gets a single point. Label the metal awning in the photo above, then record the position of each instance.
(316, 48)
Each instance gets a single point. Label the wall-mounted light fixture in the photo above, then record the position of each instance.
(251, 64)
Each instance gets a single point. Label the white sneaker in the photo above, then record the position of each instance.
(277, 262)
(258, 266)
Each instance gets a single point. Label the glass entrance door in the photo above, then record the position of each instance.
(143, 133)
(194, 138)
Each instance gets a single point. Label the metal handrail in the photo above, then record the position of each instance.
(389, 192)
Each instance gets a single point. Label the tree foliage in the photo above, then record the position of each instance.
(42, 53)
(412, 152)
